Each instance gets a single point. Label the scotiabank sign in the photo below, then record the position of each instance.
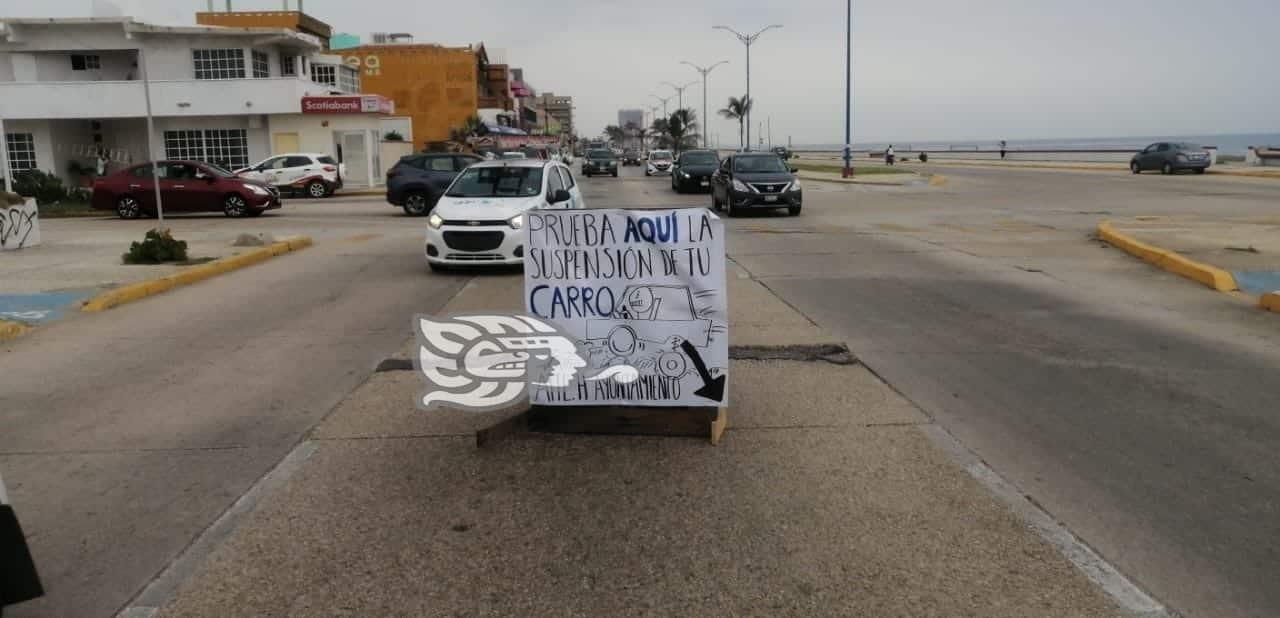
(348, 104)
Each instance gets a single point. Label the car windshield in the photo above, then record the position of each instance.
(521, 181)
(767, 164)
(217, 171)
(600, 154)
(699, 158)
(660, 156)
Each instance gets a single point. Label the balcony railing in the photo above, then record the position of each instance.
(126, 99)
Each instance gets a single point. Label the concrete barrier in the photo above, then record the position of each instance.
(19, 225)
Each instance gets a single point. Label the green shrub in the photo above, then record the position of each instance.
(158, 246)
(393, 136)
(45, 187)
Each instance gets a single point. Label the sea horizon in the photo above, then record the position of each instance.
(1227, 143)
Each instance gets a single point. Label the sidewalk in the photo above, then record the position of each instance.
(826, 496)
(1249, 249)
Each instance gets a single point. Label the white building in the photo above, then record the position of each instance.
(73, 88)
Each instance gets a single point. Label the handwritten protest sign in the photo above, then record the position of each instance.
(643, 293)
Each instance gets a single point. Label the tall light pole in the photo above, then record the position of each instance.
(679, 93)
(704, 71)
(747, 40)
(664, 103)
(847, 172)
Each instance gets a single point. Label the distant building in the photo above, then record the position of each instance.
(631, 116)
(555, 112)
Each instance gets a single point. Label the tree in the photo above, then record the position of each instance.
(659, 132)
(682, 126)
(738, 109)
(615, 133)
(471, 127)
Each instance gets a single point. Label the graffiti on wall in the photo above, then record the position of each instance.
(19, 226)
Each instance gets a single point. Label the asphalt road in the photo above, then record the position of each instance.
(1135, 407)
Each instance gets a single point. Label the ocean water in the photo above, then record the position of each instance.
(1228, 144)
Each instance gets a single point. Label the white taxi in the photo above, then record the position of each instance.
(480, 218)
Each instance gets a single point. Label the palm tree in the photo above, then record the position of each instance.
(738, 109)
(682, 126)
(615, 133)
(659, 131)
(471, 127)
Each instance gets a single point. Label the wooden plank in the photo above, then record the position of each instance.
(718, 426)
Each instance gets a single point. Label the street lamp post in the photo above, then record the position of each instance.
(679, 93)
(747, 40)
(847, 172)
(664, 104)
(704, 71)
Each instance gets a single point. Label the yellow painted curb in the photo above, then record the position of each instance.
(1270, 300)
(937, 180)
(12, 330)
(187, 276)
(1211, 276)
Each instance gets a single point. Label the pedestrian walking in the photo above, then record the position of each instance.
(1003, 149)
(888, 155)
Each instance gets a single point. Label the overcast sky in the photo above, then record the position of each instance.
(923, 69)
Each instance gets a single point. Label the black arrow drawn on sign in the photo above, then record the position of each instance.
(712, 389)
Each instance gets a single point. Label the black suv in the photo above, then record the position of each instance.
(693, 170)
(599, 162)
(417, 181)
(1169, 157)
(630, 157)
(755, 180)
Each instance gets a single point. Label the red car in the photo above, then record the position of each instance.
(185, 186)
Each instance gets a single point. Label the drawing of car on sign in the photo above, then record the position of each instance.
(646, 330)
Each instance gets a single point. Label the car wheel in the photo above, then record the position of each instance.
(128, 208)
(416, 204)
(316, 189)
(1133, 167)
(1166, 169)
(256, 213)
(615, 174)
(1199, 170)
(646, 173)
(729, 209)
(793, 210)
(235, 206)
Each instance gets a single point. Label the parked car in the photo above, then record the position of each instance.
(416, 182)
(480, 219)
(693, 170)
(782, 152)
(600, 162)
(660, 162)
(185, 186)
(1170, 157)
(630, 156)
(755, 180)
(303, 173)
(19, 580)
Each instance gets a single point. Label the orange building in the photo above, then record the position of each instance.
(293, 20)
(437, 86)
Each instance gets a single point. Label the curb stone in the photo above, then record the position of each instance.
(188, 276)
(1211, 276)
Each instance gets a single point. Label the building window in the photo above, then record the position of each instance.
(261, 68)
(324, 74)
(288, 66)
(22, 152)
(85, 62)
(218, 63)
(348, 79)
(227, 148)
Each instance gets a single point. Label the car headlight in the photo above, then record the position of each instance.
(795, 186)
(516, 222)
(684, 174)
(738, 185)
(258, 190)
(435, 221)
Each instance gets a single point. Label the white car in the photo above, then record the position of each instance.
(660, 163)
(513, 155)
(303, 173)
(480, 217)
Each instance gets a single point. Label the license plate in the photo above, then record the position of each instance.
(705, 183)
(770, 198)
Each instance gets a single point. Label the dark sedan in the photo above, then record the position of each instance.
(600, 162)
(693, 170)
(185, 186)
(1170, 157)
(748, 181)
(416, 182)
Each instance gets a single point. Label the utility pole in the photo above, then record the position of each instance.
(770, 118)
(704, 71)
(747, 41)
(151, 131)
(664, 104)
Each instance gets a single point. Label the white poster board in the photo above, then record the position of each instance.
(643, 294)
(19, 225)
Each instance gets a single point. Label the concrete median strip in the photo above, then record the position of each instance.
(1213, 277)
(188, 276)
(1269, 301)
